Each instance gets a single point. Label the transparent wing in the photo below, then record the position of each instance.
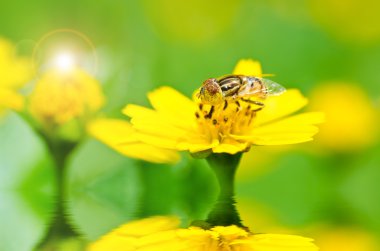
(261, 87)
(272, 88)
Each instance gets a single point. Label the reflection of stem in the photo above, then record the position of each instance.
(224, 212)
(59, 228)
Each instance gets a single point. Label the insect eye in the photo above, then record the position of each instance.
(224, 88)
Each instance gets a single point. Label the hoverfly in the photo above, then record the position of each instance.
(215, 91)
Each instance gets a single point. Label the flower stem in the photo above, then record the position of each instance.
(224, 212)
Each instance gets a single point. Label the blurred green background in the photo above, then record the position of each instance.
(312, 189)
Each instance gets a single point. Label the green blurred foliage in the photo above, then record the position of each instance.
(294, 188)
(102, 185)
(145, 44)
(26, 185)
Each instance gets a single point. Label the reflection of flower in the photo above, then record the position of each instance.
(350, 116)
(162, 233)
(62, 96)
(179, 123)
(15, 72)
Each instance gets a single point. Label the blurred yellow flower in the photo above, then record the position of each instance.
(14, 74)
(347, 240)
(162, 233)
(61, 96)
(351, 118)
(178, 123)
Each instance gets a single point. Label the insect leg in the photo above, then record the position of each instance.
(258, 109)
(225, 105)
(258, 103)
(253, 102)
(209, 115)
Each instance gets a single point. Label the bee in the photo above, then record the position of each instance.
(217, 90)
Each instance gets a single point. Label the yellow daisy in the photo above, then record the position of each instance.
(179, 123)
(163, 233)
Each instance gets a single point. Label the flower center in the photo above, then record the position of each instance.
(233, 116)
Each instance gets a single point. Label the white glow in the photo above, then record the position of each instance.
(64, 61)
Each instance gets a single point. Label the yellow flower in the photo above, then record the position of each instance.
(15, 73)
(162, 233)
(182, 124)
(351, 118)
(60, 97)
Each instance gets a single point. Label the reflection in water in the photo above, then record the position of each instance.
(222, 230)
(60, 234)
(22, 223)
(224, 212)
(26, 185)
(163, 233)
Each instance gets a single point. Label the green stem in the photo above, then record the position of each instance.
(224, 212)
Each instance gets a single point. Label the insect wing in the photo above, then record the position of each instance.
(272, 88)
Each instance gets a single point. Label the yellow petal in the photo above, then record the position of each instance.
(248, 67)
(168, 142)
(197, 144)
(230, 146)
(278, 242)
(114, 243)
(156, 131)
(138, 111)
(296, 129)
(141, 115)
(192, 239)
(161, 130)
(120, 136)
(281, 139)
(137, 233)
(291, 123)
(148, 226)
(277, 107)
(168, 101)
